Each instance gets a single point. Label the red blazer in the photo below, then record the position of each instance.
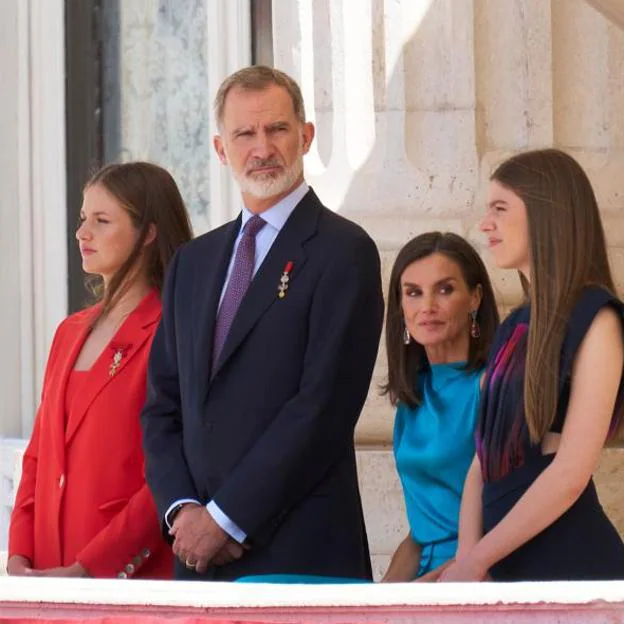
(83, 496)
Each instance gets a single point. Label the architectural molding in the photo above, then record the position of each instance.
(33, 205)
(229, 38)
(109, 600)
(48, 206)
(611, 9)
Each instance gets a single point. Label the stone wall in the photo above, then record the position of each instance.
(384, 510)
(415, 103)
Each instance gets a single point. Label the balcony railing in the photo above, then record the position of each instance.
(65, 600)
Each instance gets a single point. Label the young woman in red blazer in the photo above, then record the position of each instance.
(83, 507)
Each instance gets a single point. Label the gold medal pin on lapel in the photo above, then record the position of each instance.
(118, 355)
(283, 285)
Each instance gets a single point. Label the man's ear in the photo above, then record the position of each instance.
(217, 142)
(308, 135)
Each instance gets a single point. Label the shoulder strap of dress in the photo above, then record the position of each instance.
(591, 302)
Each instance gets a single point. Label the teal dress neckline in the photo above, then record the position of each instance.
(434, 447)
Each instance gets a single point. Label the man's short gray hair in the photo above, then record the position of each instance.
(258, 78)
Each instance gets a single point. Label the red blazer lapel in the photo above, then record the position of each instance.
(57, 385)
(130, 337)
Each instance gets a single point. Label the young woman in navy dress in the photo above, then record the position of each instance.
(552, 393)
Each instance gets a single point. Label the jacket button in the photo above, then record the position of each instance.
(122, 575)
(145, 553)
(61, 481)
(130, 569)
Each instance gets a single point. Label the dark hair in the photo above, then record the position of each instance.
(567, 252)
(406, 361)
(258, 78)
(149, 194)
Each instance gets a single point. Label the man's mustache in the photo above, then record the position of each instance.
(260, 164)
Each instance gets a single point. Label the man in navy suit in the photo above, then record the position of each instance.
(262, 362)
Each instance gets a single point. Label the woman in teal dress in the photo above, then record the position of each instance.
(440, 324)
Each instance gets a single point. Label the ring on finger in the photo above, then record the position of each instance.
(190, 564)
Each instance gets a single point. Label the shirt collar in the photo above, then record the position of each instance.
(276, 216)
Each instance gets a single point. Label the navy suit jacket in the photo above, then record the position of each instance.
(269, 433)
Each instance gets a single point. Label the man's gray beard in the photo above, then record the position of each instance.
(271, 185)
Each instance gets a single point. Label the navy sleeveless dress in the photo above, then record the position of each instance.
(582, 544)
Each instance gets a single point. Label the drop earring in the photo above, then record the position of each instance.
(475, 330)
(406, 336)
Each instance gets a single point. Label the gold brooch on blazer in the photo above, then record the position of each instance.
(283, 285)
(119, 352)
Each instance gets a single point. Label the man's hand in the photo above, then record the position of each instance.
(230, 552)
(20, 566)
(197, 537)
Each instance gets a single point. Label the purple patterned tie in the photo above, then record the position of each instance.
(242, 272)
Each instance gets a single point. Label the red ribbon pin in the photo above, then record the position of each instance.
(283, 285)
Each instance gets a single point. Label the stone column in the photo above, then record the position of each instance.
(612, 9)
(514, 93)
(415, 102)
(12, 130)
(33, 265)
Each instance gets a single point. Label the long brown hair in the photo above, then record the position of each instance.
(149, 194)
(406, 361)
(567, 252)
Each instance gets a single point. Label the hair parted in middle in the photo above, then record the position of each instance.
(406, 361)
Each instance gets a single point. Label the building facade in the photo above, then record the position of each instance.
(414, 103)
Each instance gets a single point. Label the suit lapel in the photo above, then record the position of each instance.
(76, 340)
(130, 337)
(262, 292)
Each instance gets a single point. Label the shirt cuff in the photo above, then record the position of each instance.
(175, 504)
(234, 531)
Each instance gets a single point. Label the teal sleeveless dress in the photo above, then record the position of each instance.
(434, 447)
